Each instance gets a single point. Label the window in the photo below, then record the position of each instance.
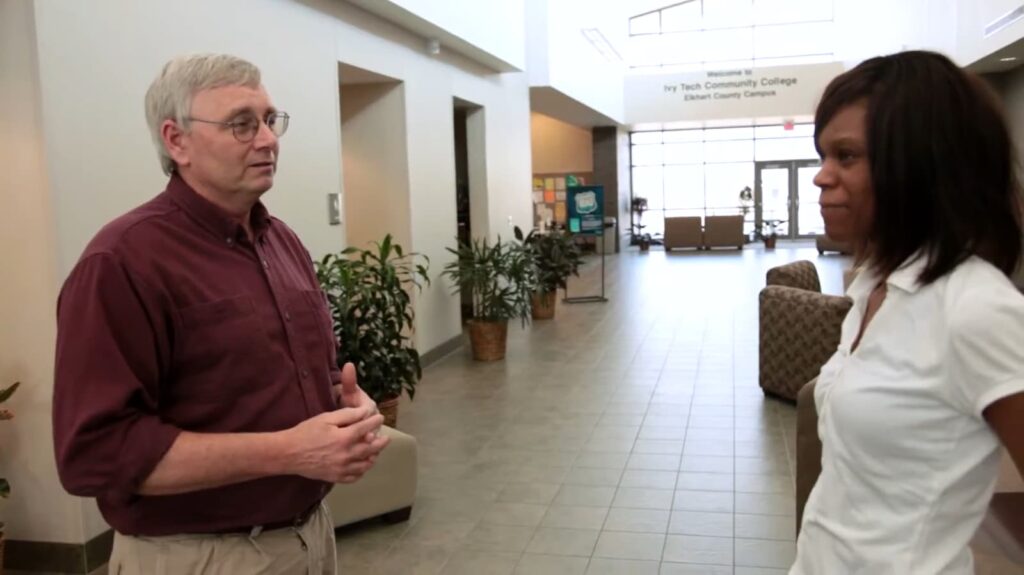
(684, 153)
(723, 183)
(701, 171)
(681, 18)
(684, 187)
(785, 149)
(649, 23)
(719, 34)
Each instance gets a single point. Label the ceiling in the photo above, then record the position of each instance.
(430, 31)
(998, 61)
(551, 102)
(350, 75)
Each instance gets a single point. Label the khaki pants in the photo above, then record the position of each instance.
(306, 550)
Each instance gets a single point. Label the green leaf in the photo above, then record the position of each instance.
(7, 393)
(367, 292)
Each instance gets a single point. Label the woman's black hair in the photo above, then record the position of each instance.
(943, 164)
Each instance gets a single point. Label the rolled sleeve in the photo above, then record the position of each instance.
(112, 349)
(986, 332)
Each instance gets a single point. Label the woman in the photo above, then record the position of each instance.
(919, 173)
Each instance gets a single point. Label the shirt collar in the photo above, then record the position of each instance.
(905, 278)
(211, 216)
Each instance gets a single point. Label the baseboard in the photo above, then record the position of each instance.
(76, 558)
(442, 351)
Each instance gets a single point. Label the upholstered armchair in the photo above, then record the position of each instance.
(799, 328)
(388, 490)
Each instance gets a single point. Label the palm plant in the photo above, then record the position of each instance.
(369, 296)
(499, 277)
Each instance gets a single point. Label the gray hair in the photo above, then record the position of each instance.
(170, 95)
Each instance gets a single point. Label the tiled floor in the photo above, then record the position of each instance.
(628, 437)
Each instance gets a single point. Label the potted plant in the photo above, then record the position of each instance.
(555, 257)
(500, 279)
(771, 233)
(369, 297)
(639, 206)
(5, 486)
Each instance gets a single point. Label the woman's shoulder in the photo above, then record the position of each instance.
(977, 290)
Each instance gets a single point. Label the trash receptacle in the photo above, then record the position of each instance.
(611, 231)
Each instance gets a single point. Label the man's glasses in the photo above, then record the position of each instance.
(246, 127)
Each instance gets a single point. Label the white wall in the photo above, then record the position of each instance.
(430, 85)
(38, 507)
(537, 42)
(932, 25)
(493, 26)
(561, 57)
(374, 164)
(868, 28)
(654, 98)
(560, 148)
(95, 61)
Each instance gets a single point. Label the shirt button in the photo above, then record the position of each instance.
(287, 316)
(231, 241)
(305, 373)
(266, 265)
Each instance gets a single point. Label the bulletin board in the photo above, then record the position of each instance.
(549, 196)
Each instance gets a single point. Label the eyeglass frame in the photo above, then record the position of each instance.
(235, 125)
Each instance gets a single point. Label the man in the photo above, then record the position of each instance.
(197, 394)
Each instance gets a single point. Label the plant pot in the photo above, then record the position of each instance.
(487, 339)
(544, 304)
(769, 242)
(389, 409)
(645, 246)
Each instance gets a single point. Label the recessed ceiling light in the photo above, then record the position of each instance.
(1008, 59)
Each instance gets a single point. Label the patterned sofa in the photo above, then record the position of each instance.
(799, 328)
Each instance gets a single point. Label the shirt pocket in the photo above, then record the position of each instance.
(222, 350)
(314, 325)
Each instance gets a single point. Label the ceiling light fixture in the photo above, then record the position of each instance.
(601, 44)
(1008, 59)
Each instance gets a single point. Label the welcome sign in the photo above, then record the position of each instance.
(724, 94)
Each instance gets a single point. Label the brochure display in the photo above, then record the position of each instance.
(586, 218)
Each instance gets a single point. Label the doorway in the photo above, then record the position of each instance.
(785, 194)
(374, 158)
(470, 179)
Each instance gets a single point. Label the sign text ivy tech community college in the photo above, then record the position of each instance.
(731, 85)
(783, 91)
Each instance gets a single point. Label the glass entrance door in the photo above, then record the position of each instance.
(785, 195)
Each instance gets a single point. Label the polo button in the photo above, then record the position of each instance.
(305, 373)
(265, 264)
(231, 241)
(287, 316)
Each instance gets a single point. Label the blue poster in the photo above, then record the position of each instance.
(586, 210)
